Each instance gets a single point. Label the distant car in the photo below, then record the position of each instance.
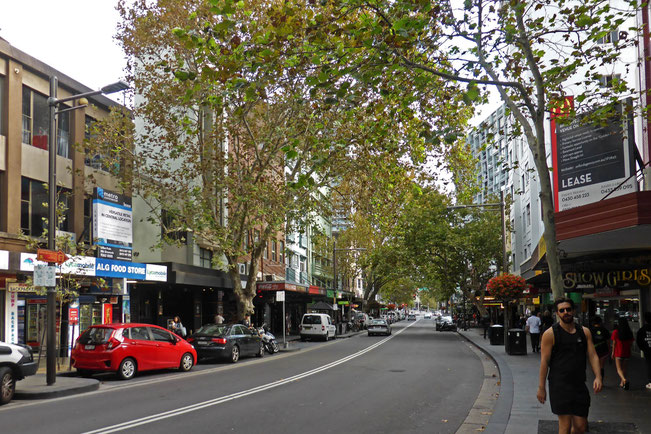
(411, 317)
(130, 348)
(16, 363)
(317, 325)
(226, 341)
(379, 327)
(444, 323)
(428, 315)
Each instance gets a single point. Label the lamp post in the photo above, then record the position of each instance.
(53, 104)
(505, 259)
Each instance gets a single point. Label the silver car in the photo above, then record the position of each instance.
(379, 327)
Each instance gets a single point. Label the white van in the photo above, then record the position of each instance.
(317, 325)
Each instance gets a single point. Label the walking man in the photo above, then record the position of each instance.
(564, 352)
(533, 327)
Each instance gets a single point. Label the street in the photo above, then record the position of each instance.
(417, 380)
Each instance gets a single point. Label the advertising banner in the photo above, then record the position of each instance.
(590, 160)
(128, 270)
(112, 225)
(4, 260)
(156, 273)
(11, 315)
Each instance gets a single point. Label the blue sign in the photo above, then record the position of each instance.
(123, 269)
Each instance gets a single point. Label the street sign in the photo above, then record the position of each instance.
(45, 255)
(280, 296)
(45, 275)
(73, 315)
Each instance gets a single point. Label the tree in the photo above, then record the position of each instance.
(533, 53)
(241, 126)
(452, 249)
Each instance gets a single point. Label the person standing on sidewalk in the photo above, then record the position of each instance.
(564, 351)
(644, 342)
(533, 327)
(601, 339)
(622, 340)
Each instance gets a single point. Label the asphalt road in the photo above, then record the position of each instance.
(417, 380)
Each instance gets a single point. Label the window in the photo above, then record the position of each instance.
(169, 227)
(245, 242)
(161, 335)
(256, 236)
(35, 118)
(139, 333)
(524, 220)
(33, 207)
(87, 235)
(281, 253)
(63, 134)
(529, 214)
(205, 258)
(610, 38)
(608, 80)
(2, 104)
(274, 250)
(63, 199)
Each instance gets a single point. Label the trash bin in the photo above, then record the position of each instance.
(517, 342)
(496, 334)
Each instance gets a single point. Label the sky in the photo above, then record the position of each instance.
(73, 36)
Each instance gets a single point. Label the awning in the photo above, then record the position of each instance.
(320, 305)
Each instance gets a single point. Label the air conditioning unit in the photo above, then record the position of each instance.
(242, 268)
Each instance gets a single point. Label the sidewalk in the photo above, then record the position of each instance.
(613, 410)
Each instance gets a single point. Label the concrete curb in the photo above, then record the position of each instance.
(35, 387)
(502, 408)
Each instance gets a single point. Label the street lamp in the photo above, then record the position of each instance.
(505, 260)
(53, 103)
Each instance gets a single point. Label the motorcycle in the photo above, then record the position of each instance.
(268, 340)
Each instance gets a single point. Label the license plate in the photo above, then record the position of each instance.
(307, 327)
(89, 347)
(202, 343)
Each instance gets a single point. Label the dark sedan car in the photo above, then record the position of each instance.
(379, 326)
(226, 341)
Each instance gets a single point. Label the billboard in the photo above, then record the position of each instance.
(591, 160)
(112, 225)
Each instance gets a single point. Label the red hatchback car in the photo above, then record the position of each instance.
(128, 348)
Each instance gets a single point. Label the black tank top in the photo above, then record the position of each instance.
(569, 355)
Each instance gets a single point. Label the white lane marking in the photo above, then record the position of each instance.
(201, 405)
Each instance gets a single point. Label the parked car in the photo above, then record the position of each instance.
(379, 327)
(16, 363)
(444, 323)
(130, 348)
(317, 325)
(411, 317)
(226, 341)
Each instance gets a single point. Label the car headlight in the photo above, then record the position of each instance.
(26, 352)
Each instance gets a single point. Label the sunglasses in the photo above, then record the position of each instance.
(565, 309)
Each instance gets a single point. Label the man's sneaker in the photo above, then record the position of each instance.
(648, 386)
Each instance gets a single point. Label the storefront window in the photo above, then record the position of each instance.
(33, 208)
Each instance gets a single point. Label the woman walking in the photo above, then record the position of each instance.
(622, 339)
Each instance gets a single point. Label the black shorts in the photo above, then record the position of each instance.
(569, 398)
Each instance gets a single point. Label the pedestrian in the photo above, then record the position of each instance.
(485, 322)
(644, 342)
(247, 320)
(533, 327)
(219, 319)
(177, 327)
(601, 340)
(564, 351)
(547, 321)
(622, 340)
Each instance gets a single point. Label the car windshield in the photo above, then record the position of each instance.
(213, 330)
(96, 336)
(378, 322)
(446, 319)
(311, 319)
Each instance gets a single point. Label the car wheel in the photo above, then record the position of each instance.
(274, 346)
(235, 354)
(260, 352)
(187, 362)
(127, 369)
(7, 384)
